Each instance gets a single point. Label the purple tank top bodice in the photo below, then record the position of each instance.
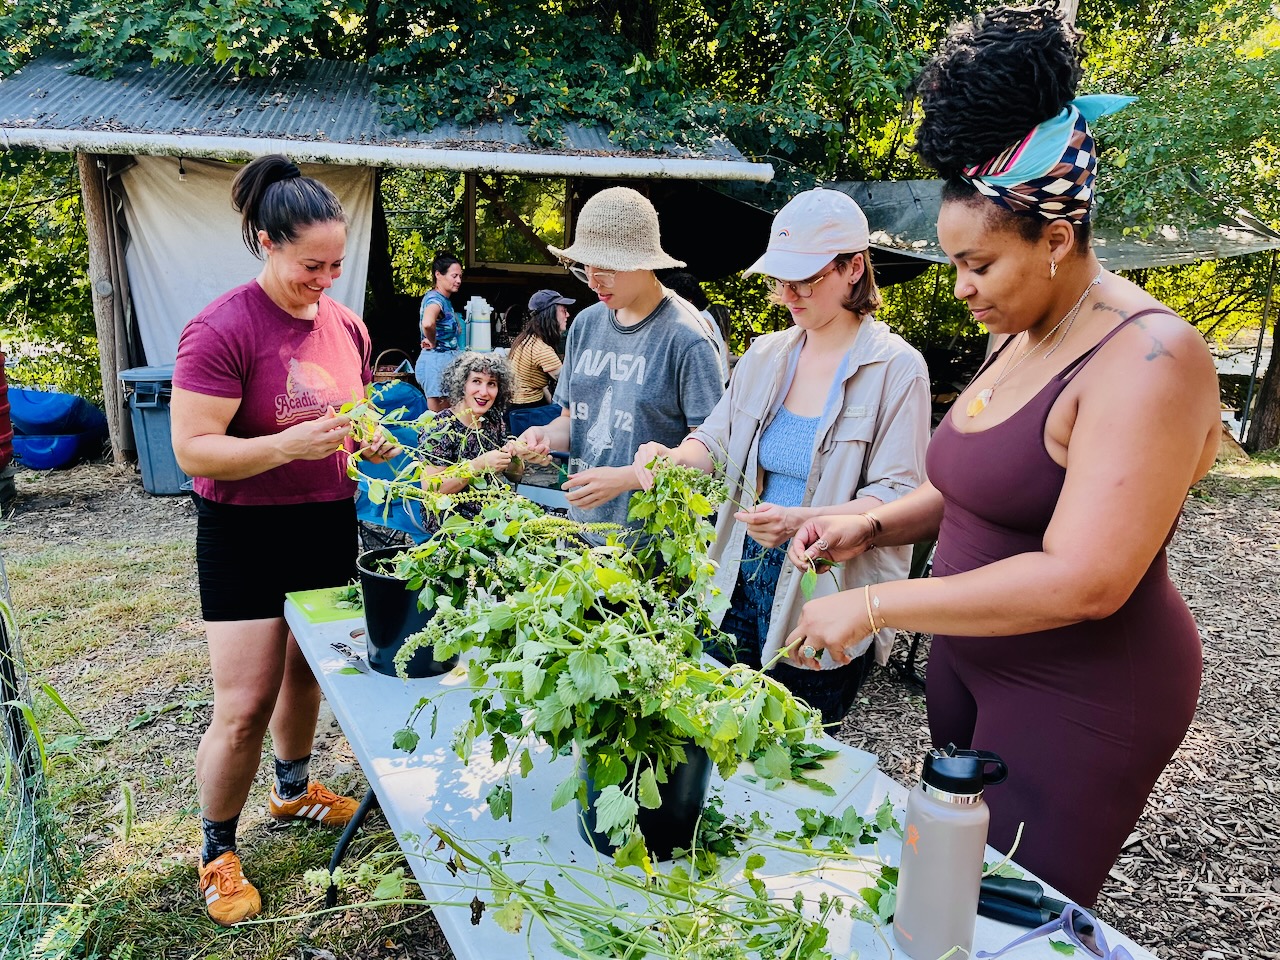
(1000, 487)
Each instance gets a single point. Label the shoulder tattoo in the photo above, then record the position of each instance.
(1157, 349)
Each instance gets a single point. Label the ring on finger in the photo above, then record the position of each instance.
(808, 652)
(821, 543)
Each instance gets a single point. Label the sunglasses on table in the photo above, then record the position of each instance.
(1078, 926)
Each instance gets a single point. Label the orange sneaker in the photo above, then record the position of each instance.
(317, 804)
(228, 896)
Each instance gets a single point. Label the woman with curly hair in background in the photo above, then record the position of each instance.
(472, 431)
(1055, 480)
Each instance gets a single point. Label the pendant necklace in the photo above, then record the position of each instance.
(980, 402)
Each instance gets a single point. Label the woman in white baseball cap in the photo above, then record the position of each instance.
(831, 415)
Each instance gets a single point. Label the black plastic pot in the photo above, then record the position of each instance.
(669, 827)
(391, 616)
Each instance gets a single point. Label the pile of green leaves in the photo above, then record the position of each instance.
(723, 909)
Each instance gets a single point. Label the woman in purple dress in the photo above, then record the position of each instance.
(1056, 478)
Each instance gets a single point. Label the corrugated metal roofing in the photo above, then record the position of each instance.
(324, 108)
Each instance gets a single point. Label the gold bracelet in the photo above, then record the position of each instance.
(871, 620)
(876, 530)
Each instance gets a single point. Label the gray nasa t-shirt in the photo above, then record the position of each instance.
(624, 386)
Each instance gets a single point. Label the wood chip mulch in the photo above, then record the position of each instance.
(1199, 877)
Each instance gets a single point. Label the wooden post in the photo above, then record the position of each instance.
(93, 194)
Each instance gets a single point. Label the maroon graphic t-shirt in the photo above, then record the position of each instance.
(283, 371)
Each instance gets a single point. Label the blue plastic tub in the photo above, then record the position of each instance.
(45, 413)
(48, 452)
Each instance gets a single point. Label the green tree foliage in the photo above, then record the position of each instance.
(426, 211)
(46, 315)
(798, 80)
(1201, 139)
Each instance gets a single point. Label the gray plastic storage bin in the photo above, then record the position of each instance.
(149, 390)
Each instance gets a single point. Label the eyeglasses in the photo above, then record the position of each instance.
(801, 288)
(1078, 926)
(586, 274)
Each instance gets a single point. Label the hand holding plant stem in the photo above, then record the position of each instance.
(833, 537)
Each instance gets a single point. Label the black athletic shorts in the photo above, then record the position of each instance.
(249, 557)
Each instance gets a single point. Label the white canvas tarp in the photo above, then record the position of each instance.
(185, 250)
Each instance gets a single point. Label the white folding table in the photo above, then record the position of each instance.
(432, 786)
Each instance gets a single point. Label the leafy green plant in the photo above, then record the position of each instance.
(599, 652)
(712, 912)
(590, 648)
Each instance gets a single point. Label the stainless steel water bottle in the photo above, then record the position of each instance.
(944, 837)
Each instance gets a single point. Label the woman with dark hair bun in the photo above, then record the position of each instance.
(258, 376)
(440, 329)
(1055, 480)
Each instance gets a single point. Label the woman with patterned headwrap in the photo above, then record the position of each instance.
(1056, 478)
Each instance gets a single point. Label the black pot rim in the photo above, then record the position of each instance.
(379, 553)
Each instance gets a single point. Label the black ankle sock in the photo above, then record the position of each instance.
(292, 777)
(219, 837)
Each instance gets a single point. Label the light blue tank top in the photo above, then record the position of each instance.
(788, 442)
(786, 455)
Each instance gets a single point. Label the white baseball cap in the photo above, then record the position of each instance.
(809, 232)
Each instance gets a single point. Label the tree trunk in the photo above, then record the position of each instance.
(110, 349)
(1264, 418)
(1264, 425)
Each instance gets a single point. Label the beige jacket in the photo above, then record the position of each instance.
(871, 445)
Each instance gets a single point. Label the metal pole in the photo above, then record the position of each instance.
(1257, 351)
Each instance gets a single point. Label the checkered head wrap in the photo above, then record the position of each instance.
(1050, 171)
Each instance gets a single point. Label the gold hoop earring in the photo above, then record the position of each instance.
(1053, 268)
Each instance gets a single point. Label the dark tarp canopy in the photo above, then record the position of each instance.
(903, 216)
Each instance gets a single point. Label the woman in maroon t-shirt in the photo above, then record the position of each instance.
(258, 376)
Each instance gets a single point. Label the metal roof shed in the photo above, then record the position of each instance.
(312, 111)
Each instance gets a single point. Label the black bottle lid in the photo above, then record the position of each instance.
(962, 772)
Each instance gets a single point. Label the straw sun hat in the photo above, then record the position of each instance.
(617, 229)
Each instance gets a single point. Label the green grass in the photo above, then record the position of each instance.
(72, 601)
(1260, 472)
(115, 628)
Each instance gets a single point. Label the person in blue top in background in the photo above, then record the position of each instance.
(441, 330)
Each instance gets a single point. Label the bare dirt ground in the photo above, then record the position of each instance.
(1199, 878)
